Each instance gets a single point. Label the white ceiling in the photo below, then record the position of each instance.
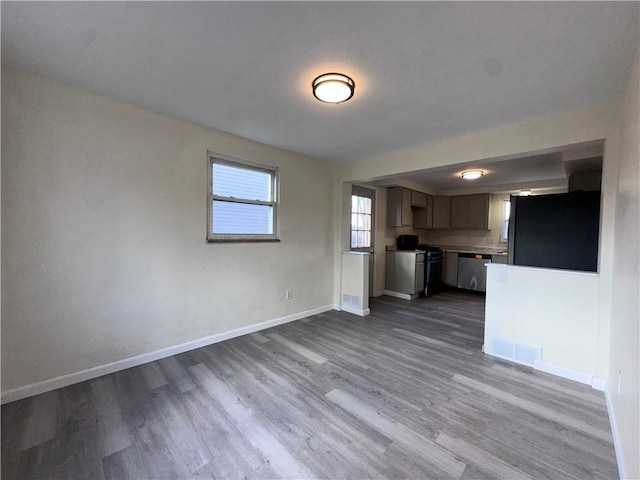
(423, 71)
(541, 173)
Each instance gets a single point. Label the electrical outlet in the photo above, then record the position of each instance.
(288, 294)
(619, 382)
(501, 275)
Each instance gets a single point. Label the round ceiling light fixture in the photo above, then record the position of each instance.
(472, 174)
(333, 87)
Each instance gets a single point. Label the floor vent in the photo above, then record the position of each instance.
(352, 300)
(515, 352)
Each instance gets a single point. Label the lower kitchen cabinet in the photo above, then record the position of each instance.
(404, 273)
(450, 271)
(499, 259)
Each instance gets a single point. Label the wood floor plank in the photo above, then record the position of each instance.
(40, 425)
(296, 347)
(535, 408)
(114, 434)
(403, 393)
(399, 433)
(260, 437)
(153, 375)
(479, 459)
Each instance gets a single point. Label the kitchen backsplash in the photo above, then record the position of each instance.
(461, 238)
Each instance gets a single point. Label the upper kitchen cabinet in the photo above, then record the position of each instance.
(418, 199)
(398, 207)
(441, 212)
(423, 217)
(470, 212)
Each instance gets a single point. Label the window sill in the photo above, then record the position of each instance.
(242, 240)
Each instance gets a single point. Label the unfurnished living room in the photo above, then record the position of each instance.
(320, 240)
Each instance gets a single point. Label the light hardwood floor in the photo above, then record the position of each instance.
(402, 393)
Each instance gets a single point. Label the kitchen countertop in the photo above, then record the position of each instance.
(457, 249)
(470, 249)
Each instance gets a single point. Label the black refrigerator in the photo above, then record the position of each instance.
(555, 231)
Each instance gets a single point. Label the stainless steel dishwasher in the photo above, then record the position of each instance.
(472, 273)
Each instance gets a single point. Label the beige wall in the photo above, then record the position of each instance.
(555, 310)
(103, 234)
(625, 318)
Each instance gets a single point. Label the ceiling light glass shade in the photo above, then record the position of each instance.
(472, 174)
(333, 88)
(525, 193)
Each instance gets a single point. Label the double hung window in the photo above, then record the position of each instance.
(506, 213)
(361, 221)
(242, 201)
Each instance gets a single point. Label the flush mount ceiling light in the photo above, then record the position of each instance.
(525, 193)
(333, 87)
(472, 174)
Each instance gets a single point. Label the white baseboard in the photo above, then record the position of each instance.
(76, 377)
(563, 372)
(599, 384)
(594, 382)
(404, 296)
(379, 293)
(617, 443)
(356, 311)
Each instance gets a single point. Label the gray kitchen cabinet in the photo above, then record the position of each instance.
(423, 217)
(587, 181)
(418, 199)
(499, 259)
(398, 207)
(460, 211)
(479, 206)
(450, 271)
(470, 212)
(441, 212)
(404, 273)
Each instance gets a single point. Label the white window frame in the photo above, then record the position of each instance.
(212, 158)
(357, 191)
(504, 219)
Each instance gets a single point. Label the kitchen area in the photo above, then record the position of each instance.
(442, 227)
(442, 241)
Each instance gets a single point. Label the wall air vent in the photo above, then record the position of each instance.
(515, 352)
(352, 300)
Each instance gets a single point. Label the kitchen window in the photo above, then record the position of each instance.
(242, 200)
(506, 213)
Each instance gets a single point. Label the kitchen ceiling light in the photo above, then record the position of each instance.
(333, 88)
(472, 174)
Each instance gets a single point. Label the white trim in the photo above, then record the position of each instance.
(557, 271)
(76, 377)
(599, 384)
(379, 293)
(404, 296)
(337, 306)
(563, 372)
(617, 441)
(356, 311)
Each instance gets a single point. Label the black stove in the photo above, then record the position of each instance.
(433, 269)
